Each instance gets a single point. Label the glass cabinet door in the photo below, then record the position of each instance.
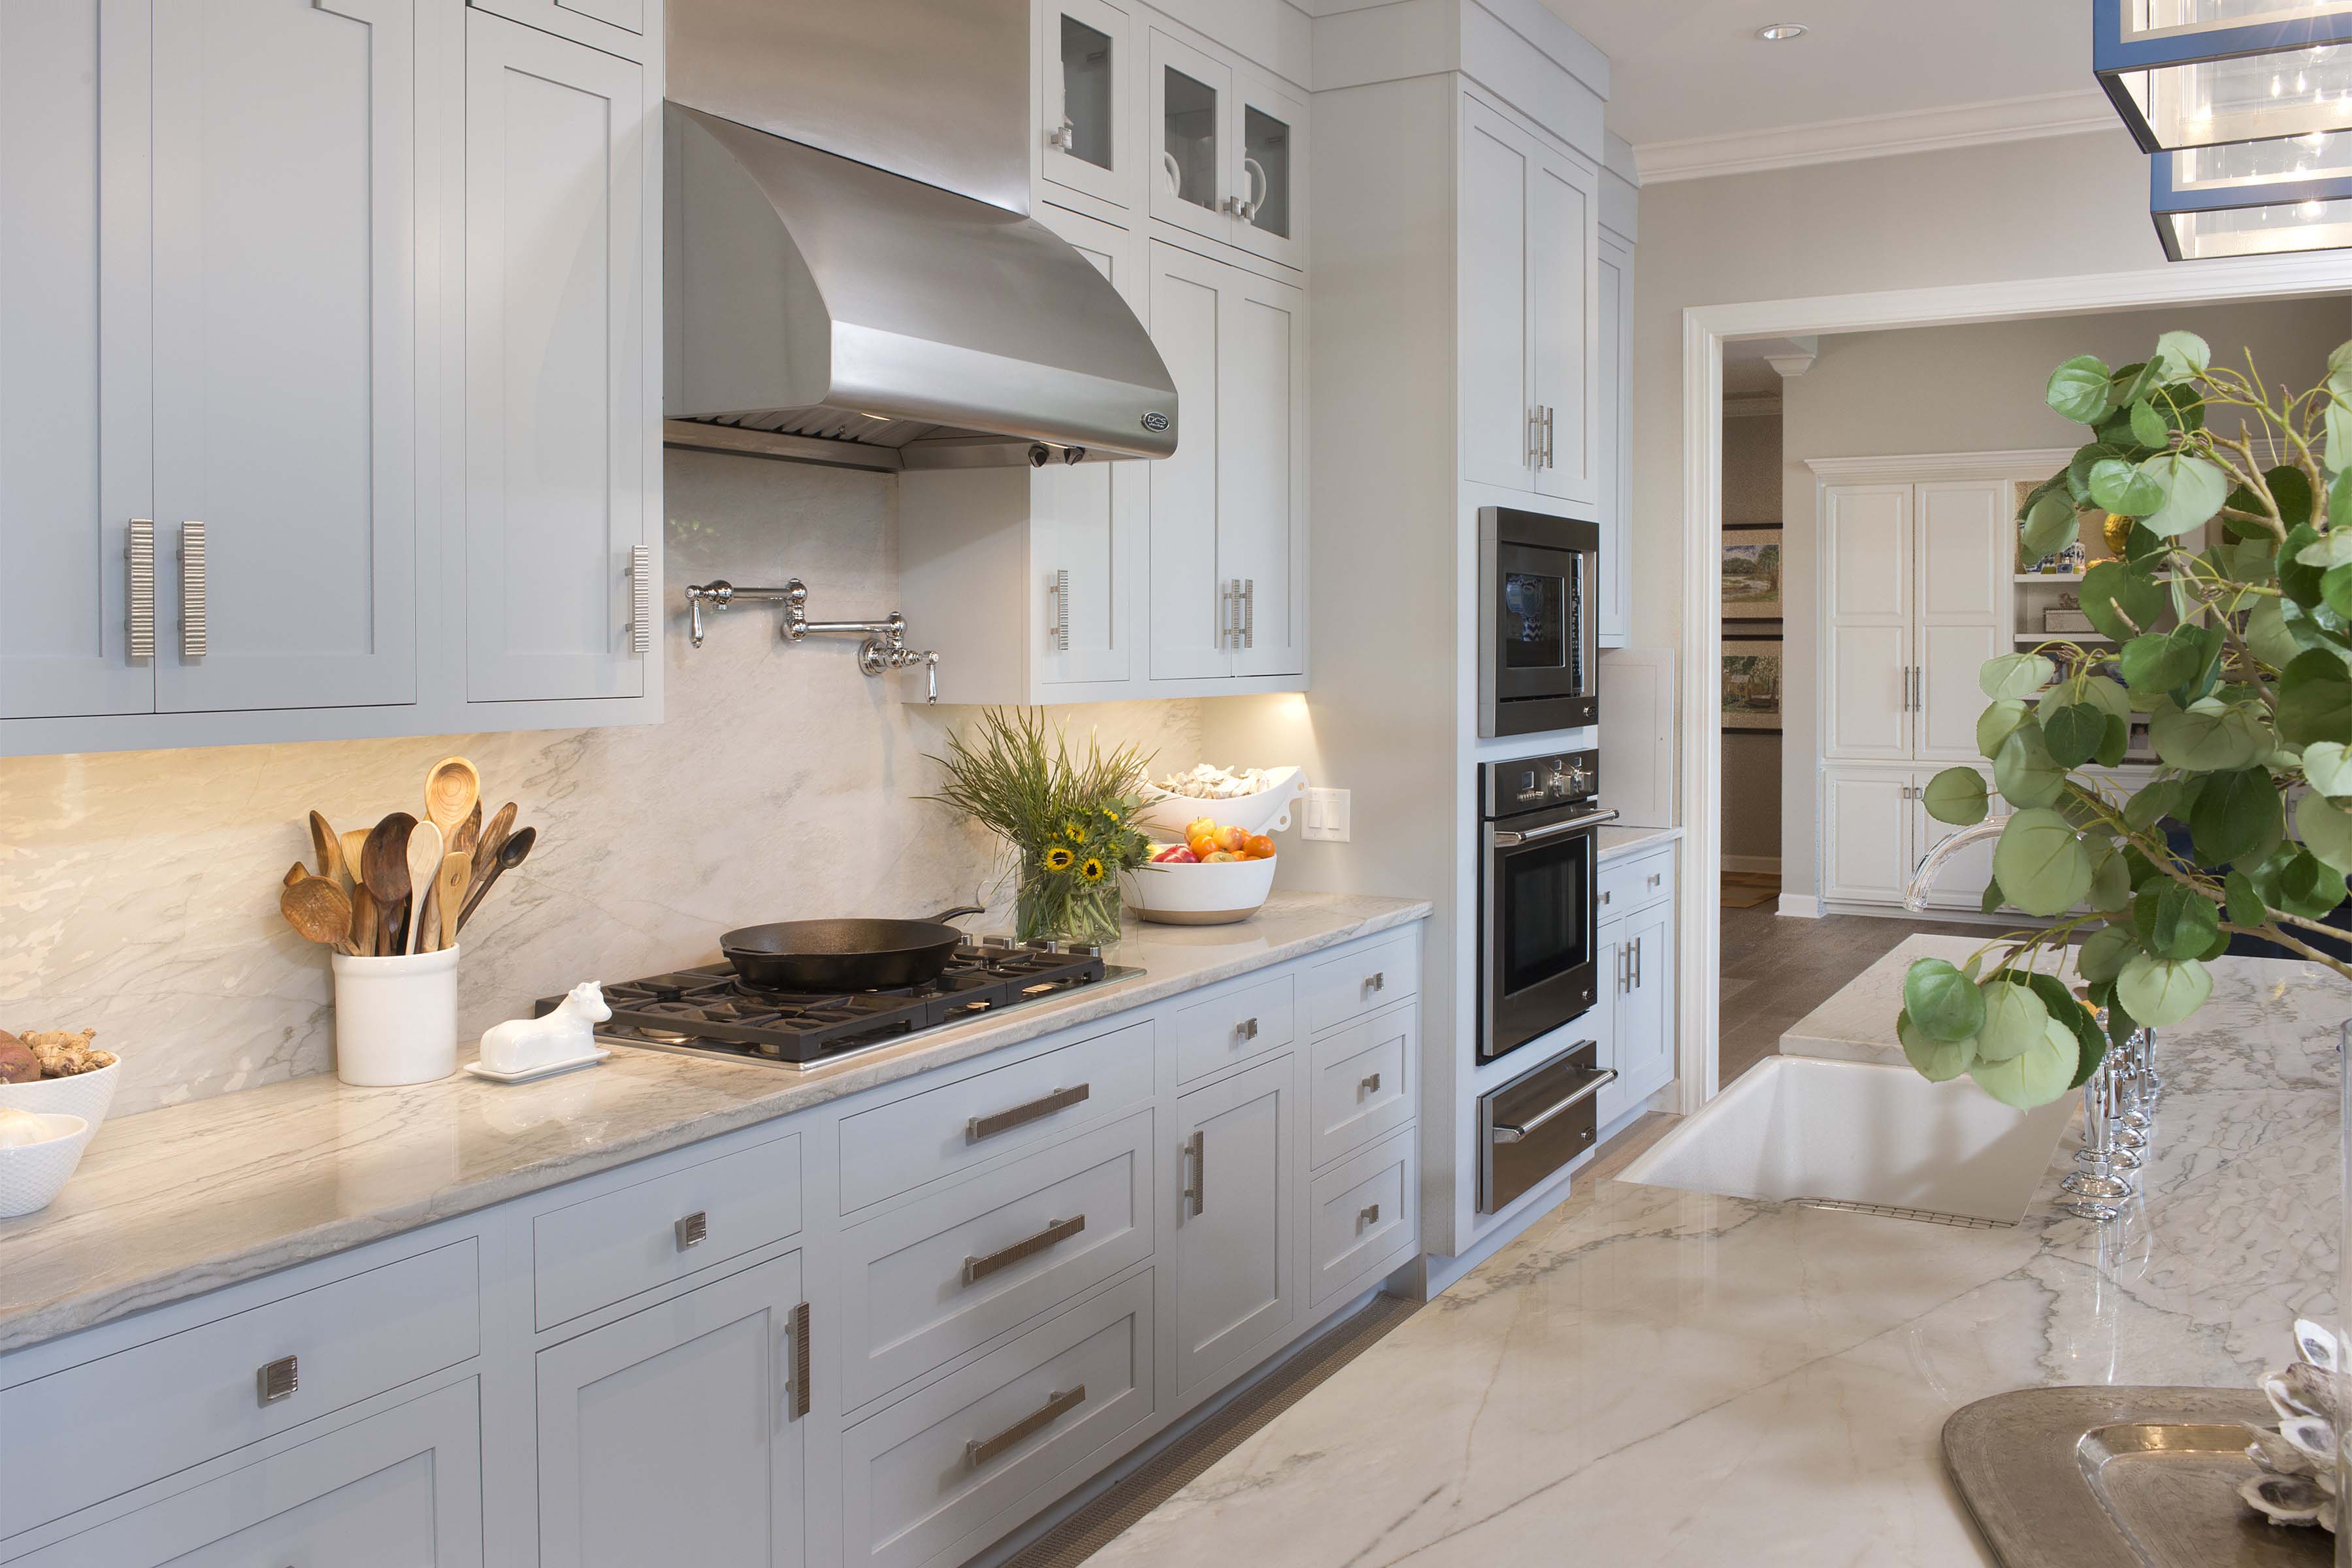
(1188, 179)
(1083, 81)
(1271, 161)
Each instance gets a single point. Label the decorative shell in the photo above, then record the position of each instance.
(2298, 1461)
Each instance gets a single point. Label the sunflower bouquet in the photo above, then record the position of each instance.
(1067, 822)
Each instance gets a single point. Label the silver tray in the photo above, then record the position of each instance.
(2119, 1477)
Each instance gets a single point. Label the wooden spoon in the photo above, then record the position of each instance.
(319, 910)
(468, 834)
(295, 873)
(384, 865)
(449, 893)
(363, 919)
(511, 854)
(452, 789)
(354, 845)
(424, 861)
(485, 852)
(330, 851)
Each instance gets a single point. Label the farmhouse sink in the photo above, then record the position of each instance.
(1861, 1132)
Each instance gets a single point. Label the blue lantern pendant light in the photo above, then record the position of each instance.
(2201, 73)
(2255, 198)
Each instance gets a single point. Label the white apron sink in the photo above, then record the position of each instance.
(1864, 1133)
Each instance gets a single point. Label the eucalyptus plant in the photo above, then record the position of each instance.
(2240, 654)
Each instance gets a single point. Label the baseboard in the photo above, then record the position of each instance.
(1800, 905)
(1753, 865)
(2009, 920)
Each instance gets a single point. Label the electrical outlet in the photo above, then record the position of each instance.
(1326, 815)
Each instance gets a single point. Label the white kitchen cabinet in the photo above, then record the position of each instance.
(1089, 139)
(1633, 1022)
(1530, 349)
(1234, 1193)
(1966, 544)
(1226, 516)
(1875, 828)
(1960, 882)
(1615, 326)
(674, 1435)
(396, 1490)
(1227, 155)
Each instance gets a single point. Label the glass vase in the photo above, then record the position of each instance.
(1060, 907)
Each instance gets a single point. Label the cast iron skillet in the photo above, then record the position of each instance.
(844, 955)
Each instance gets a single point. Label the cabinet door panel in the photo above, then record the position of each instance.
(1235, 1286)
(1867, 716)
(74, 418)
(1564, 222)
(1188, 617)
(1963, 598)
(1189, 175)
(1269, 141)
(1645, 1010)
(1615, 327)
(554, 365)
(1867, 642)
(1087, 520)
(1603, 1024)
(1087, 124)
(1261, 480)
(286, 315)
(1497, 169)
(668, 1436)
(1960, 881)
(1865, 835)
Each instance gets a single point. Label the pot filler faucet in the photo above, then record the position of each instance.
(1915, 891)
(884, 646)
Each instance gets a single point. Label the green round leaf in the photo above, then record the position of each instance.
(2267, 637)
(2105, 952)
(2185, 923)
(2015, 675)
(2333, 548)
(2194, 489)
(2066, 1008)
(2309, 887)
(2298, 581)
(2236, 814)
(2120, 603)
(2328, 765)
(2014, 1018)
(2147, 427)
(1956, 795)
(1995, 722)
(2035, 1076)
(2110, 878)
(2291, 488)
(2315, 699)
(1943, 1003)
(1937, 1061)
(2181, 355)
(2242, 900)
(2073, 732)
(2162, 662)
(2049, 524)
(2078, 389)
(2208, 737)
(2042, 865)
(2326, 829)
(2161, 992)
(2025, 773)
(2153, 803)
(2120, 485)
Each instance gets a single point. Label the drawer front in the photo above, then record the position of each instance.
(607, 1249)
(1623, 886)
(614, 25)
(1363, 980)
(928, 1282)
(1234, 1026)
(897, 1147)
(1362, 1218)
(1362, 1085)
(941, 1473)
(86, 1434)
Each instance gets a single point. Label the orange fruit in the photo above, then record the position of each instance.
(1259, 846)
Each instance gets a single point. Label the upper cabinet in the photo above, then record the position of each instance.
(1090, 132)
(1615, 429)
(236, 263)
(1228, 154)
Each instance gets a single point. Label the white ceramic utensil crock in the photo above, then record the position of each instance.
(395, 1018)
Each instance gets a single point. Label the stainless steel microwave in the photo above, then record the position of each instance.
(1539, 622)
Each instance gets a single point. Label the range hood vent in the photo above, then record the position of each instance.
(831, 299)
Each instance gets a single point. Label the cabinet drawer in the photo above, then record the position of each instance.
(1625, 885)
(924, 1284)
(934, 1478)
(894, 1148)
(614, 25)
(1233, 1026)
(1363, 1084)
(606, 1248)
(1362, 1218)
(86, 1434)
(1363, 979)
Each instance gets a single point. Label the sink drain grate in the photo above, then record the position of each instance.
(1925, 1216)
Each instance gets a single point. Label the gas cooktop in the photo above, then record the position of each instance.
(711, 1012)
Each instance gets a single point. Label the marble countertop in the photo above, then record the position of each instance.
(1669, 1378)
(176, 1202)
(1617, 841)
(1857, 1025)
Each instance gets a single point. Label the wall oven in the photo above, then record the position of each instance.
(1539, 622)
(1537, 949)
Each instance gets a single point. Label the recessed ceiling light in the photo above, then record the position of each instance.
(1780, 32)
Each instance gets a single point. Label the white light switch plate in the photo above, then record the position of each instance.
(1326, 815)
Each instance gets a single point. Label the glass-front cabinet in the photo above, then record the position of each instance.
(1083, 72)
(1273, 163)
(1189, 177)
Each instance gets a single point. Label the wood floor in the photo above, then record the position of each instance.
(1776, 969)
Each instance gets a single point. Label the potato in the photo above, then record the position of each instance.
(17, 1062)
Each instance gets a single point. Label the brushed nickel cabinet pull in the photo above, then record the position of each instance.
(692, 1230)
(1550, 431)
(1064, 136)
(1196, 1151)
(800, 1360)
(139, 548)
(1249, 612)
(1056, 1231)
(1057, 630)
(641, 599)
(1534, 437)
(980, 1450)
(1246, 1028)
(1370, 1215)
(981, 1127)
(1377, 982)
(1371, 1084)
(278, 1380)
(192, 590)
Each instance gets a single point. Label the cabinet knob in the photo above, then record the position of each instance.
(278, 1380)
(1246, 1028)
(1370, 1215)
(1378, 981)
(692, 1230)
(1371, 1084)
(1064, 136)
(1605, 899)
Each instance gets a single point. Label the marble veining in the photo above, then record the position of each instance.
(180, 1201)
(1658, 1377)
(1617, 842)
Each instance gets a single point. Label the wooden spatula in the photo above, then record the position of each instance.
(449, 894)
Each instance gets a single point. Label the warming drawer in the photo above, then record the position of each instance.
(1536, 1123)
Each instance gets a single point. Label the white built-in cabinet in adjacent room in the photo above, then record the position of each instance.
(286, 456)
(1875, 828)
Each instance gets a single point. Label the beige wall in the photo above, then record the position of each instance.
(138, 890)
(1751, 495)
(1966, 389)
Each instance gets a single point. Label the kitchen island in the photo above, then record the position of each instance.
(1660, 1377)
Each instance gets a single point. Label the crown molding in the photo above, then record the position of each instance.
(1877, 136)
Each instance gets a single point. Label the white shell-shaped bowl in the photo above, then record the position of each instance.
(32, 1176)
(1163, 816)
(89, 1095)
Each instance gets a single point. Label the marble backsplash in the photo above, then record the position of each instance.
(137, 890)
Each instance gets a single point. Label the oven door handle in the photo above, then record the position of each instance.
(1504, 839)
(1507, 1132)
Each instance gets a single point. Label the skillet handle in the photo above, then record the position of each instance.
(957, 913)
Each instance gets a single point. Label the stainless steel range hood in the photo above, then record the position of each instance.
(849, 257)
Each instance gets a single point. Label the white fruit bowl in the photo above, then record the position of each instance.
(1206, 893)
(89, 1095)
(1164, 814)
(33, 1175)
